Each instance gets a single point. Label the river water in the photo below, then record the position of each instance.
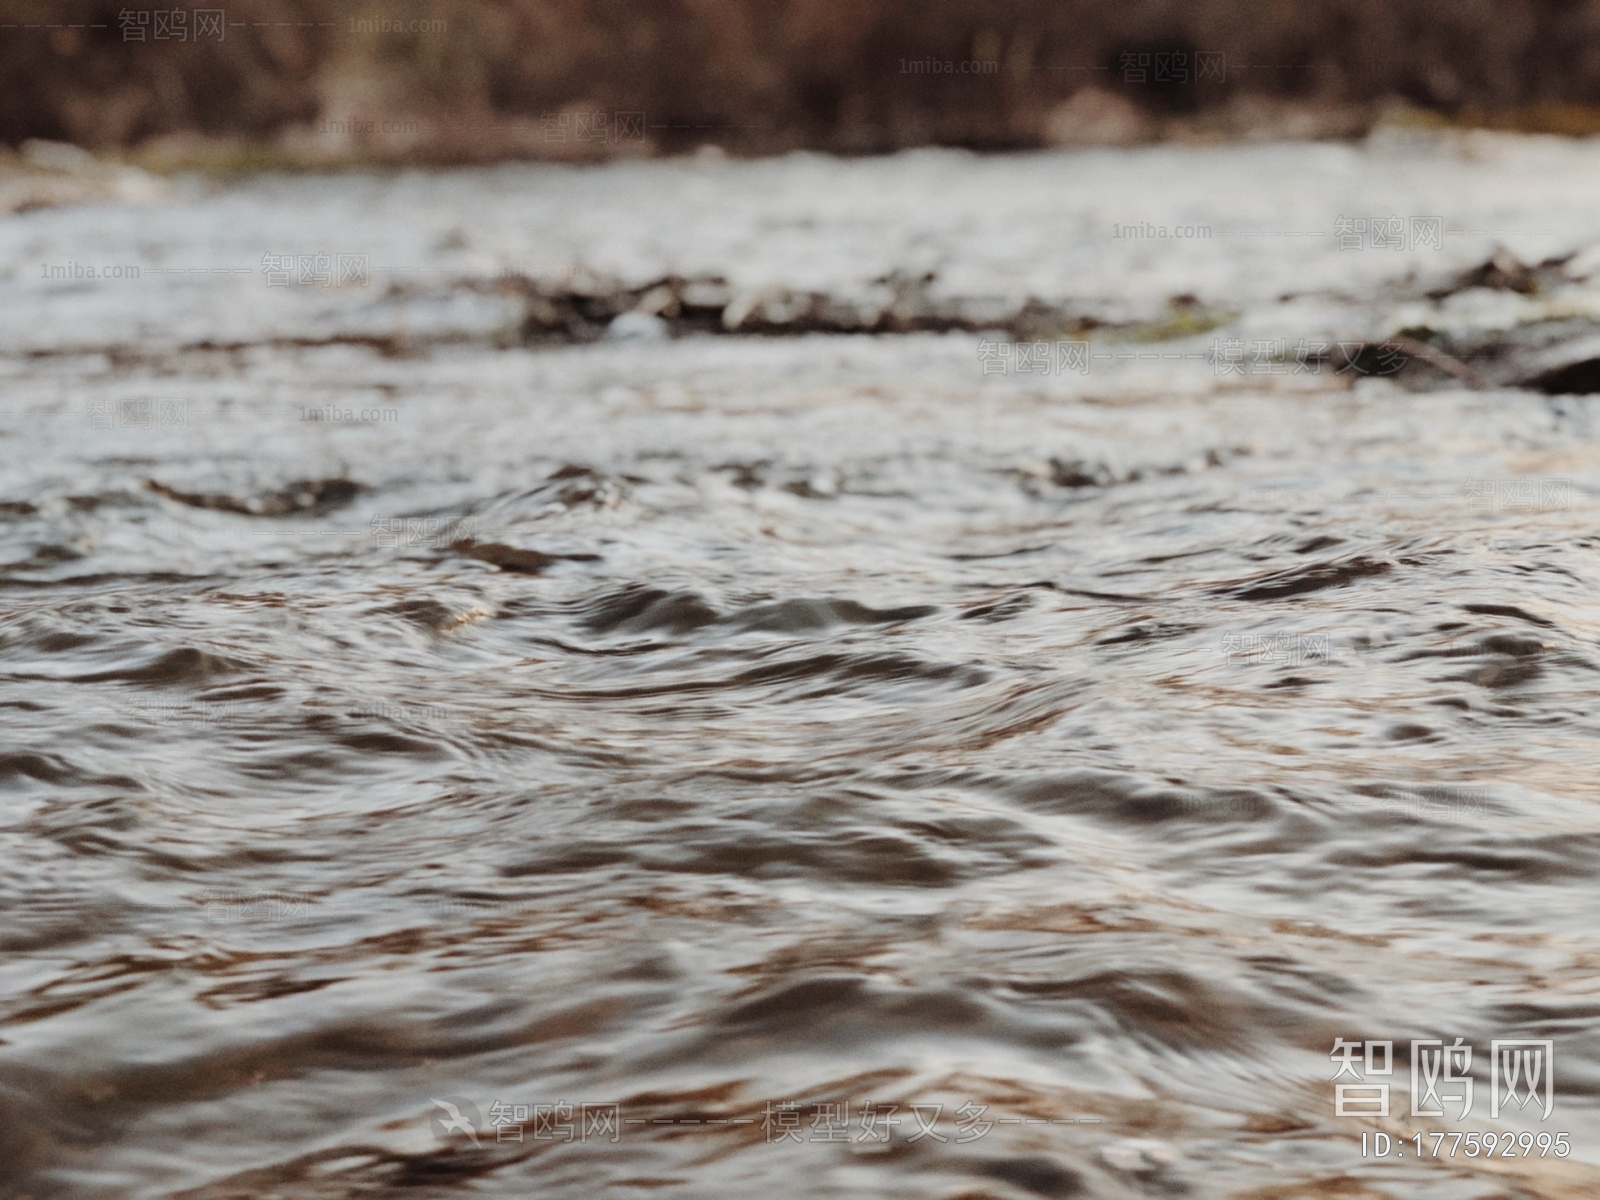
(838, 764)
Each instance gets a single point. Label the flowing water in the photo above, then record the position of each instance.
(824, 765)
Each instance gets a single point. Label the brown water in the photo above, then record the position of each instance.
(707, 734)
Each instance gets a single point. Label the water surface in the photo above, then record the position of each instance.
(734, 729)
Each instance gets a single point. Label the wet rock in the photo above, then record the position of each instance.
(513, 558)
(794, 616)
(589, 309)
(1505, 272)
(1036, 1175)
(1556, 357)
(1281, 585)
(1138, 1156)
(573, 485)
(1078, 473)
(637, 326)
(821, 485)
(741, 308)
(1579, 376)
(308, 497)
(639, 609)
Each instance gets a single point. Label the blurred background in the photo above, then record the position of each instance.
(286, 81)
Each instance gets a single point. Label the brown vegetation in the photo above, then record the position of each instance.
(452, 80)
